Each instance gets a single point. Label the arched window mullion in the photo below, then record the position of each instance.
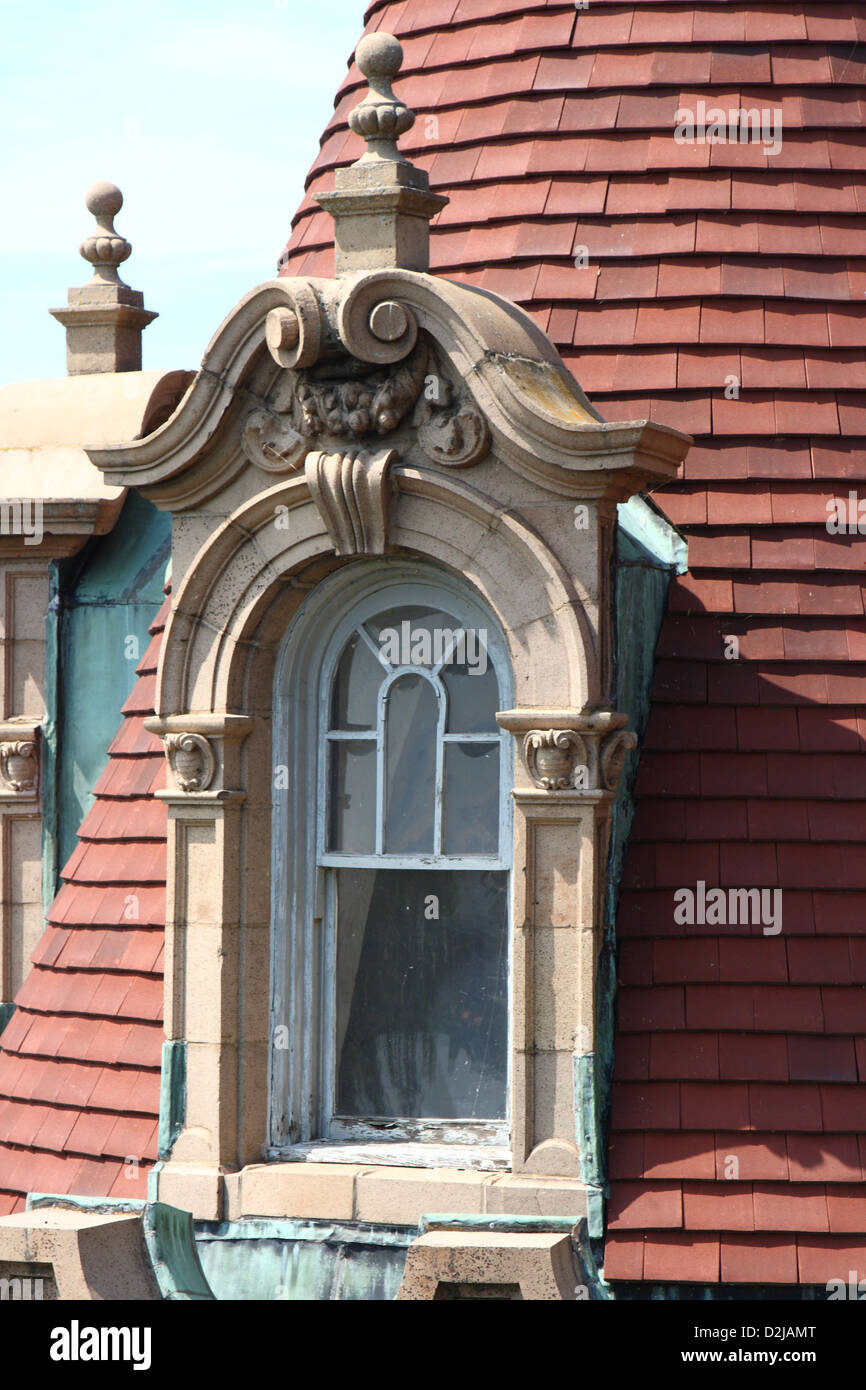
(377, 651)
(395, 674)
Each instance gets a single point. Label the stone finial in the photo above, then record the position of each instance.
(105, 248)
(380, 117)
(382, 204)
(104, 319)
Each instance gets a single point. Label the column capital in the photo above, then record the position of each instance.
(203, 756)
(571, 751)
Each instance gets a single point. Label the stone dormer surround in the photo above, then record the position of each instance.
(445, 426)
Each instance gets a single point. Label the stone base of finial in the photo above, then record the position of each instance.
(102, 334)
(384, 226)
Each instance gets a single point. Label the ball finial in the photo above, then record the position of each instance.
(381, 117)
(103, 199)
(105, 248)
(379, 55)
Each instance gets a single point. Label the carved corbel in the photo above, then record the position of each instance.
(192, 761)
(352, 493)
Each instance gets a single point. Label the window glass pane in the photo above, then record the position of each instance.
(471, 811)
(356, 687)
(473, 693)
(412, 635)
(410, 766)
(352, 796)
(422, 994)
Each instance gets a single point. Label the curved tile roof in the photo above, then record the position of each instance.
(80, 1058)
(719, 288)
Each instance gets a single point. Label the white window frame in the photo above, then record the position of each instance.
(301, 1123)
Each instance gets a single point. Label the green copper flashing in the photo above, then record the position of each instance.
(6, 1012)
(586, 1112)
(95, 1205)
(170, 1239)
(272, 1258)
(172, 1094)
(517, 1225)
(283, 1228)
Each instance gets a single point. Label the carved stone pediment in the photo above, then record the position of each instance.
(361, 360)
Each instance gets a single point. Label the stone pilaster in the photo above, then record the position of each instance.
(205, 799)
(570, 767)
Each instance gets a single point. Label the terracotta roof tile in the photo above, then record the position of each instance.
(758, 1259)
(693, 1258)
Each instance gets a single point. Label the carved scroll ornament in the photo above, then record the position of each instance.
(552, 755)
(192, 761)
(19, 764)
(614, 751)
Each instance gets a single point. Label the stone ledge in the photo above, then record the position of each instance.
(396, 1196)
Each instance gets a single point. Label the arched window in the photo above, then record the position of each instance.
(397, 969)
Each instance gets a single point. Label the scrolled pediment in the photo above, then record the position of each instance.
(357, 352)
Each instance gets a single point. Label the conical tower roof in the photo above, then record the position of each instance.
(717, 285)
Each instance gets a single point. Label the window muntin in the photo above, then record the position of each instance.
(413, 750)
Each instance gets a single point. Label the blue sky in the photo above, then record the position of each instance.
(206, 113)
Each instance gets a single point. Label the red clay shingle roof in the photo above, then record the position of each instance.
(552, 130)
(80, 1058)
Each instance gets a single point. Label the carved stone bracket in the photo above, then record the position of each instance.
(203, 753)
(19, 758)
(192, 760)
(567, 750)
(352, 493)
